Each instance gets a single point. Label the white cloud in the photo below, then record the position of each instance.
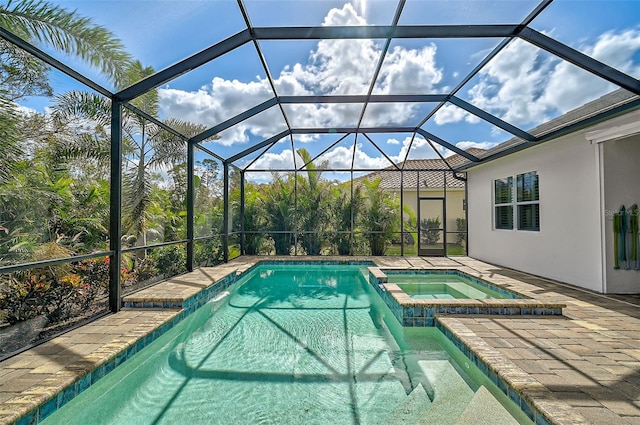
(275, 161)
(525, 87)
(467, 145)
(420, 149)
(393, 141)
(333, 67)
(405, 71)
(451, 113)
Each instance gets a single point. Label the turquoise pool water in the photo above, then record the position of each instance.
(442, 286)
(293, 345)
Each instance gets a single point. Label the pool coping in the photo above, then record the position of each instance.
(412, 312)
(38, 402)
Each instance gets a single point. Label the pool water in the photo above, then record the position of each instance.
(441, 286)
(292, 345)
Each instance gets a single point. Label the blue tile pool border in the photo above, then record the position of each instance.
(187, 307)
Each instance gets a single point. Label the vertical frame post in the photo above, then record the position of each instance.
(242, 229)
(225, 219)
(191, 192)
(296, 232)
(115, 207)
(352, 236)
(402, 213)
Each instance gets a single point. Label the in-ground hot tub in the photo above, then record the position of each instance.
(453, 292)
(446, 285)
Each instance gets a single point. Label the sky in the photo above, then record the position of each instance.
(523, 85)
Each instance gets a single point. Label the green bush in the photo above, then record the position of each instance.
(170, 260)
(461, 227)
(430, 233)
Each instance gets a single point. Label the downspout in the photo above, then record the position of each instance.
(466, 208)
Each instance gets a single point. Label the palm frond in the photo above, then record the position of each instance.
(77, 104)
(40, 22)
(10, 150)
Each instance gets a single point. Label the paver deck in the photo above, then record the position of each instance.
(579, 368)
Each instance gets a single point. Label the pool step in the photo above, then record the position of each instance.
(411, 409)
(451, 394)
(485, 409)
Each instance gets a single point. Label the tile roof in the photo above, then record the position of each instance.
(431, 172)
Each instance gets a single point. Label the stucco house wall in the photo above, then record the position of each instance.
(568, 245)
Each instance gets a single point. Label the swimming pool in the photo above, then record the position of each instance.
(290, 345)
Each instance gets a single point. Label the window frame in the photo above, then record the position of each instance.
(516, 201)
(509, 181)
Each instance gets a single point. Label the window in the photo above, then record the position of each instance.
(526, 204)
(504, 203)
(528, 201)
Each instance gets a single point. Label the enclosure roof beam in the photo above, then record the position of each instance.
(186, 65)
(526, 21)
(376, 98)
(480, 113)
(581, 60)
(233, 121)
(263, 60)
(384, 31)
(446, 144)
(155, 120)
(258, 146)
(209, 152)
(353, 130)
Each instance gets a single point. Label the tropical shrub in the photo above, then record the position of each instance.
(170, 260)
(429, 231)
(380, 218)
(461, 227)
(278, 202)
(57, 292)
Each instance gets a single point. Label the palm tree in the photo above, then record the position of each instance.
(381, 216)
(346, 210)
(312, 204)
(278, 202)
(147, 147)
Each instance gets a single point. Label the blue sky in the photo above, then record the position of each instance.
(523, 85)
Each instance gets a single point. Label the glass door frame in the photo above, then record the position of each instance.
(433, 252)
